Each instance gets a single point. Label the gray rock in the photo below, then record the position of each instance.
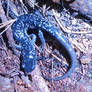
(82, 6)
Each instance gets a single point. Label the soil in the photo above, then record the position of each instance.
(77, 31)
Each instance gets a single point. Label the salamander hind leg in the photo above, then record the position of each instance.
(19, 47)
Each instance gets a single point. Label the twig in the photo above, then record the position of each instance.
(38, 81)
(9, 31)
(15, 88)
(6, 29)
(64, 29)
(7, 23)
(49, 52)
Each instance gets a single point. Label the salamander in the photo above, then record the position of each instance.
(32, 21)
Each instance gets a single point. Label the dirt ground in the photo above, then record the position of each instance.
(77, 30)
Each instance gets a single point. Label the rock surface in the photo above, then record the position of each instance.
(82, 6)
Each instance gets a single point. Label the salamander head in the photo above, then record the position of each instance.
(29, 66)
(29, 63)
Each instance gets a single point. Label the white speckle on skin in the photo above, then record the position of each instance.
(30, 52)
(21, 35)
(16, 35)
(70, 49)
(23, 65)
(30, 56)
(62, 39)
(57, 33)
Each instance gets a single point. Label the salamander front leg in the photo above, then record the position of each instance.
(33, 38)
(41, 36)
(19, 47)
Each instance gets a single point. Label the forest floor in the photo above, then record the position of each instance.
(77, 31)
